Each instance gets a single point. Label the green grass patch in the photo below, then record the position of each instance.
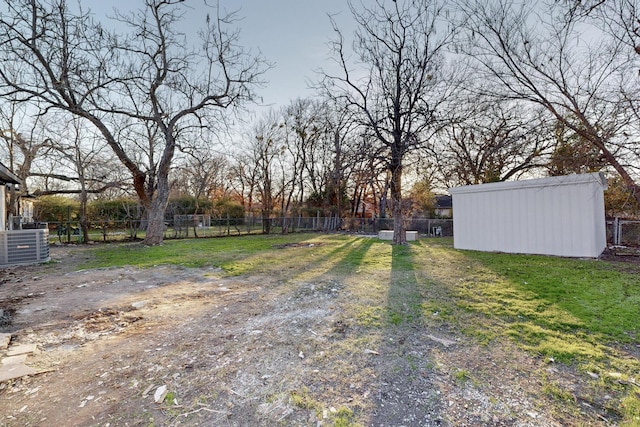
(404, 295)
(236, 255)
(370, 316)
(631, 409)
(559, 294)
(462, 375)
(556, 392)
(344, 418)
(303, 400)
(561, 346)
(570, 310)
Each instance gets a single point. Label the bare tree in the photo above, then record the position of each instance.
(20, 149)
(78, 157)
(573, 154)
(303, 132)
(266, 144)
(369, 181)
(541, 54)
(244, 180)
(204, 175)
(401, 47)
(54, 149)
(342, 157)
(315, 138)
(150, 78)
(493, 142)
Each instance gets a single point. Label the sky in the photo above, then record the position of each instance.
(291, 34)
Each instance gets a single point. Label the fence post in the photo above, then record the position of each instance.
(68, 224)
(620, 236)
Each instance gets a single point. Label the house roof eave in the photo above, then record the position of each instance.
(8, 177)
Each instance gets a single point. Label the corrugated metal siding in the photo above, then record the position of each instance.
(554, 216)
(24, 246)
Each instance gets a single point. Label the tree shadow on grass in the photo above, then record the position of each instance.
(340, 261)
(376, 348)
(404, 297)
(559, 300)
(406, 394)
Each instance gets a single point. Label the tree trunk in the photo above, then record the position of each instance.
(195, 217)
(628, 181)
(386, 204)
(399, 230)
(84, 224)
(13, 200)
(337, 170)
(156, 211)
(266, 221)
(155, 223)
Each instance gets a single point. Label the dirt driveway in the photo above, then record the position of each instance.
(170, 346)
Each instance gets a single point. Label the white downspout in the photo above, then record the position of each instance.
(3, 207)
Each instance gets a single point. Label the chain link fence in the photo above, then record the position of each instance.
(619, 232)
(623, 232)
(204, 226)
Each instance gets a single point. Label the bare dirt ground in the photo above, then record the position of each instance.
(251, 351)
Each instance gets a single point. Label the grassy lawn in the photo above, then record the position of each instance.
(580, 313)
(235, 255)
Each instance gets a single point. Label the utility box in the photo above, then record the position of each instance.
(24, 247)
(561, 215)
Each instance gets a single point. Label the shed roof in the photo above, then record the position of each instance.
(586, 178)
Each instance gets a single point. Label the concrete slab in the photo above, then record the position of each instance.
(13, 371)
(21, 349)
(12, 360)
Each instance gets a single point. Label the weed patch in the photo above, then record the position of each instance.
(462, 375)
(301, 399)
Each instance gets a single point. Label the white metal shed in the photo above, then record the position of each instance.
(561, 215)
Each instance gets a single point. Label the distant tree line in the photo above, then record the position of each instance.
(422, 97)
(58, 209)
